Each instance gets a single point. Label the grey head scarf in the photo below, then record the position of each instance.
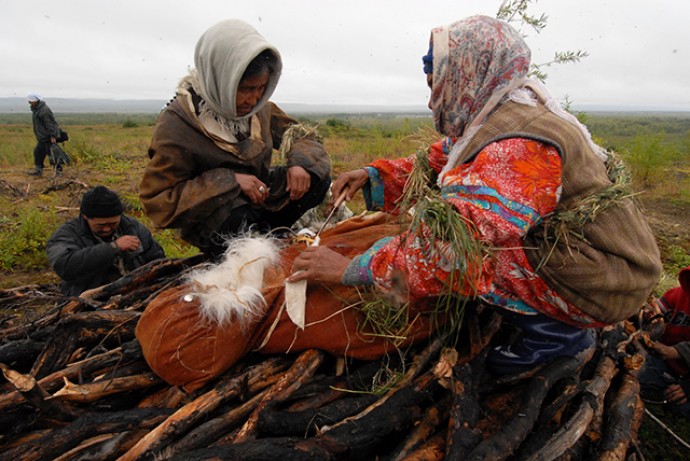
(221, 56)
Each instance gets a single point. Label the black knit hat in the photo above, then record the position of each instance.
(101, 202)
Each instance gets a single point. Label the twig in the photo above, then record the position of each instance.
(668, 429)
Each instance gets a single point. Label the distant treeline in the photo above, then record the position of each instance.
(111, 118)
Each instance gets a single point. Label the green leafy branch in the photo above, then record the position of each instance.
(516, 11)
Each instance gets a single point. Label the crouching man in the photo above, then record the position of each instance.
(100, 245)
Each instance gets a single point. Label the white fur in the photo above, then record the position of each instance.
(231, 290)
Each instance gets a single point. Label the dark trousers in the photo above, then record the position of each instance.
(255, 218)
(41, 150)
(655, 376)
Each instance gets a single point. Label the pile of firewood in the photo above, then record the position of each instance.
(77, 388)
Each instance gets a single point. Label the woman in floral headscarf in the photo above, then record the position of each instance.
(516, 168)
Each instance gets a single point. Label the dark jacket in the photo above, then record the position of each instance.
(83, 261)
(45, 125)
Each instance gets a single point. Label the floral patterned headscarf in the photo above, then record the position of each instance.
(476, 62)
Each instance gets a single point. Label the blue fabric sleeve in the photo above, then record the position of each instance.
(373, 190)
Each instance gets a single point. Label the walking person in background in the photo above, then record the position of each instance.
(210, 173)
(100, 245)
(46, 130)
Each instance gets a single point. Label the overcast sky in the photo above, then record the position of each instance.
(336, 52)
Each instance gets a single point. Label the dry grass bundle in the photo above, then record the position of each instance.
(572, 220)
(297, 132)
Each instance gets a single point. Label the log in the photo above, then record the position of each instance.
(579, 423)
(142, 276)
(17, 353)
(210, 431)
(625, 408)
(43, 326)
(128, 351)
(103, 447)
(506, 441)
(82, 428)
(419, 363)
(85, 393)
(198, 409)
(423, 431)
(433, 450)
(273, 422)
(301, 370)
(366, 435)
(27, 386)
(356, 440)
(465, 412)
(277, 448)
(84, 329)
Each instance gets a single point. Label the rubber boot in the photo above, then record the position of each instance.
(541, 340)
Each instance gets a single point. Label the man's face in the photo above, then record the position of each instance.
(103, 227)
(249, 91)
(33, 103)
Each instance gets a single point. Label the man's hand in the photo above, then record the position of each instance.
(674, 393)
(298, 182)
(664, 351)
(128, 243)
(252, 187)
(319, 264)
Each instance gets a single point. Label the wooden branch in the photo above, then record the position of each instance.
(142, 276)
(84, 427)
(91, 392)
(419, 363)
(433, 450)
(579, 423)
(462, 434)
(272, 422)
(423, 431)
(27, 386)
(101, 447)
(618, 432)
(208, 432)
(301, 370)
(83, 329)
(128, 351)
(506, 440)
(198, 409)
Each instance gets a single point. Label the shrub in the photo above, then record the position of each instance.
(22, 242)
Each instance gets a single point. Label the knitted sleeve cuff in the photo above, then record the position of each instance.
(359, 272)
(355, 274)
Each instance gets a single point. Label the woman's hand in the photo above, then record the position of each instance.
(298, 182)
(349, 182)
(252, 187)
(319, 264)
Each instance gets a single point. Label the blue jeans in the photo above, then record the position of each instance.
(655, 376)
